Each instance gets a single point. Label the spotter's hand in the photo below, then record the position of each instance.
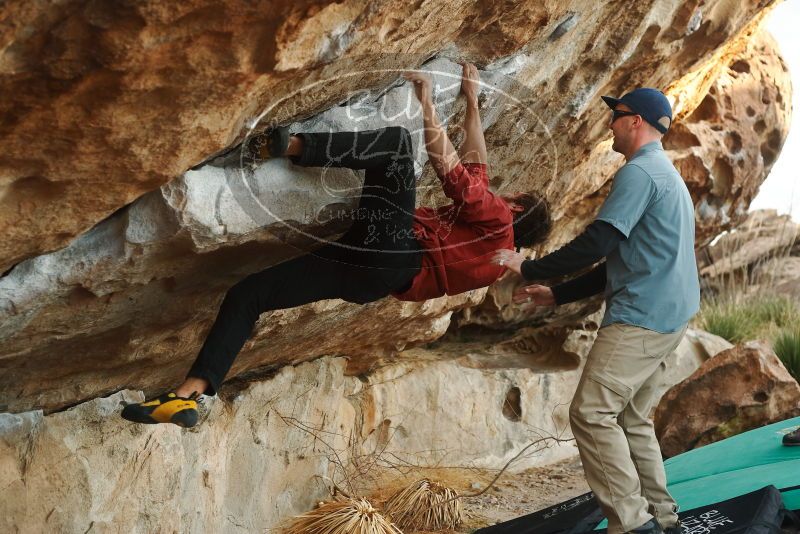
(535, 295)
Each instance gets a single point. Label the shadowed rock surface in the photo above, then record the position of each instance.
(127, 304)
(105, 101)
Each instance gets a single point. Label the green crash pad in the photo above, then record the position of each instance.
(735, 466)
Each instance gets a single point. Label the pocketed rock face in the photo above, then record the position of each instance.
(128, 303)
(739, 389)
(728, 144)
(104, 102)
(256, 458)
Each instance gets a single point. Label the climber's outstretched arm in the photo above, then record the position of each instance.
(441, 152)
(473, 149)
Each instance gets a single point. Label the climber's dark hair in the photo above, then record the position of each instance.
(533, 223)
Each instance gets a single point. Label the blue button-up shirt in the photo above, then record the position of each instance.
(652, 277)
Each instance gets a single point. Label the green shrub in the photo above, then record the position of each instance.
(779, 310)
(787, 347)
(727, 319)
(740, 319)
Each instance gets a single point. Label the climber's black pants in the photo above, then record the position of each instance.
(376, 256)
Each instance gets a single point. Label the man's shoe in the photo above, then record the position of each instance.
(168, 408)
(651, 527)
(792, 439)
(271, 143)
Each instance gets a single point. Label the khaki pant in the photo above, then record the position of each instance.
(610, 421)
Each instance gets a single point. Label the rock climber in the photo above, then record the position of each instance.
(644, 232)
(410, 254)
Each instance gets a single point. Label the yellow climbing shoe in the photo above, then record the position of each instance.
(168, 408)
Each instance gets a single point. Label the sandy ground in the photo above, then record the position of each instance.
(518, 494)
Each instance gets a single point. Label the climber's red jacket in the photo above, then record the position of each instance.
(458, 240)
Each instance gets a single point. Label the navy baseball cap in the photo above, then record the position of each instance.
(650, 103)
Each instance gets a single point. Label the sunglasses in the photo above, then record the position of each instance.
(616, 114)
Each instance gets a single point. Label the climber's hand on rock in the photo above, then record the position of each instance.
(535, 295)
(423, 87)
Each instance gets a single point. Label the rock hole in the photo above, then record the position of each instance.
(383, 432)
(765, 98)
(512, 408)
(760, 126)
(741, 66)
(774, 140)
(649, 37)
(734, 142)
(169, 284)
(771, 147)
(707, 110)
(563, 81)
(680, 137)
(582, 130)
(723, 178)
(767, 154)
(28, 193)
(750, 111)
(760, 396)
(79, 296)
(564, 26)
(692, 168)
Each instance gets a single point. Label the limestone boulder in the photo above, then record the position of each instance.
(780, 271)
(782, 275)
(737, 390)
(128, 302)
(104, 103)
(748, 248)
(261, 452)
(695, 348)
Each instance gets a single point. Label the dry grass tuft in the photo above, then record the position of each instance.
(351, 516)
(425, 505)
